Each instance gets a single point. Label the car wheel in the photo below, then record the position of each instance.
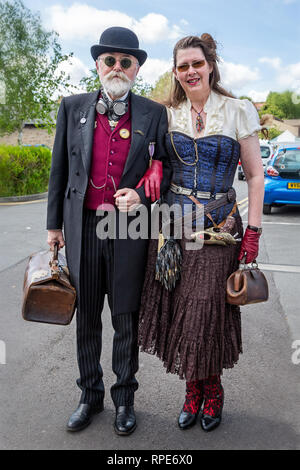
(267, 209)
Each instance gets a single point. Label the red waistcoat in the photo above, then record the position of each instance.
(110, 152)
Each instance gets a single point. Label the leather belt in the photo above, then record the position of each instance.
(201, 210)
(191, 192)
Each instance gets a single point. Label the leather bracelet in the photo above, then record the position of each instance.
(254, 228)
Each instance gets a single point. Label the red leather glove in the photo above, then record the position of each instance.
(249, 246)
(152, 180)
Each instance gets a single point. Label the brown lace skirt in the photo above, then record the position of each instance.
(192, 329)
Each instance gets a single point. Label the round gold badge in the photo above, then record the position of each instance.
(124, 133)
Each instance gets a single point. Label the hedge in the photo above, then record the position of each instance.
(24, 170)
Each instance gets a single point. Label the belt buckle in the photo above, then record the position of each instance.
(212, 196)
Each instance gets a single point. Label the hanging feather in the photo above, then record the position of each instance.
(168, 263)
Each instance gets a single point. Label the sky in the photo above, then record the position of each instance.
(258, 40)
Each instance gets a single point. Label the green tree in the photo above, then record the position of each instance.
(90, 83)
(29, 61)
(162, 87)
(281, 105)
(141, 87)
(273, 109)
(272, 133)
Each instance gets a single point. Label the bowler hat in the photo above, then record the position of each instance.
(117, 39)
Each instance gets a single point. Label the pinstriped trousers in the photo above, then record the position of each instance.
(96, 280)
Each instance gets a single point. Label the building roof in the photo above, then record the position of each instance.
(286, 136)
(292, 122)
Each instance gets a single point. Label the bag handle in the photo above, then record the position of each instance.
(237, 280)
(242, 266)
(53, 263)
(55, 252)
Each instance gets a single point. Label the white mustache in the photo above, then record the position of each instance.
(120, 75)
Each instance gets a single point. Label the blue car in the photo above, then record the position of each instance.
(282, 178)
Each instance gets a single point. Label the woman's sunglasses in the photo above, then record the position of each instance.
(110, 61)
(196, 65)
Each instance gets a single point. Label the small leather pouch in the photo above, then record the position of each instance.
(247, 285)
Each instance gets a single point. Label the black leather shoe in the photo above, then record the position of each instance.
(187, 420)
(125, 422)
(214, 402)
(82, 417)
(208, 423)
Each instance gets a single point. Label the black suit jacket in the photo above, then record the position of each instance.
(71, 163)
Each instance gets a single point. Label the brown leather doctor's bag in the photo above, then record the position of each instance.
(48, 296)
(247, 285)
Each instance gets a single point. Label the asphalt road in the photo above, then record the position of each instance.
(37, 381)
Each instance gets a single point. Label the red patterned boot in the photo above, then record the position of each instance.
(192, 404)
(213, 403)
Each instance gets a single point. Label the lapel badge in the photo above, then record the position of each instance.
(83, 120)
(151, 150)
(124, 133)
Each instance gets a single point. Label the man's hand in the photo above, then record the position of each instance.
(55, 236)
(127, 199)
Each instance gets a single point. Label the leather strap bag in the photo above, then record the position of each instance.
(247, 285)
(48, 296)
(169, 256)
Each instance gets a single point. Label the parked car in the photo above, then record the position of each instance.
(266, 151)
(282, 178)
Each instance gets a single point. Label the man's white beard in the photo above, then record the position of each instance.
(116, 87)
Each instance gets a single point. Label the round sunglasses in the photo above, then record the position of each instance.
(110, 61)
(196, 65)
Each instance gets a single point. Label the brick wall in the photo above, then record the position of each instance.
(31, 136)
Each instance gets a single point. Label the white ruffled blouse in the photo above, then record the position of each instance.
(235, 118)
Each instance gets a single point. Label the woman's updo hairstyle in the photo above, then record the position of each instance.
(209, 48)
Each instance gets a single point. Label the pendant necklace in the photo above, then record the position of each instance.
(199, 120)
